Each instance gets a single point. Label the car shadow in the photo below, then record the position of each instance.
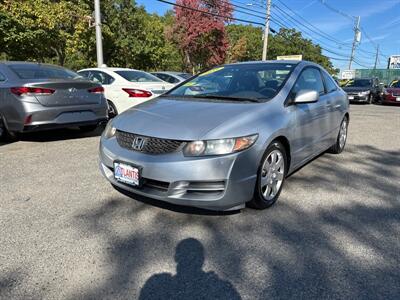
(344, 246)
(55, 135)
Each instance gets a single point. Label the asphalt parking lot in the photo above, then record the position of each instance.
(335, 232)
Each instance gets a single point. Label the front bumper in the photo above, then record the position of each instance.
(214, 183)
(390, 99)
(357, 98)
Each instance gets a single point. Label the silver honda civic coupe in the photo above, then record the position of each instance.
(228, 136)
(36, 96)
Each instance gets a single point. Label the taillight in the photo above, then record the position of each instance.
(96, 90)
(36, 91)
(137, 93)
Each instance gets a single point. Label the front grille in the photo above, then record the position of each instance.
(151, 145)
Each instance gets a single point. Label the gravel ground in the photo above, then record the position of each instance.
(335, 232)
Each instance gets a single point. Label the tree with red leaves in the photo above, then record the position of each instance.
(200, 32)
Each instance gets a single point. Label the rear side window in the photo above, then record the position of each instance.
(84, 74)
(2, 77)
(309, 80)
(38, 71)
(329, 83)
(101, 77)
(138, 76)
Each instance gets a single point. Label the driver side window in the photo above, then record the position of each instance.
(309, 80)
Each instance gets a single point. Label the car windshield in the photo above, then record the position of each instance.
(38, 71)
(138, 76)
(237, 82)
(360, 83)
(395, 84)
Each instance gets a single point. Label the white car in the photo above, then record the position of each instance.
(124, 87)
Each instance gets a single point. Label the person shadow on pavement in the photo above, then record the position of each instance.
(190, 281)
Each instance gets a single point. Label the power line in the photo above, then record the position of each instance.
(210, 13)
(316, 30)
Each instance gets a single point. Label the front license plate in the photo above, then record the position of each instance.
(398, 99)
(351, 97)
(126, 174)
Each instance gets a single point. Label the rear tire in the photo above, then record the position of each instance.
(5, 135)
(341, 138)
(270, 176)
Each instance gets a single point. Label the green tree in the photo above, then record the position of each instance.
(290, 41)
(244, 37)
(44, 30)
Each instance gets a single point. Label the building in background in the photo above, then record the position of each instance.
(394, 62)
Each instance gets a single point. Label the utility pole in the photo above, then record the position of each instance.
(99, 39)
(357, 38)
(376, 57)
(266, 31)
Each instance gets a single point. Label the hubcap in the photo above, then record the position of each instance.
(272, 174)
(111, 111)
(343, 134)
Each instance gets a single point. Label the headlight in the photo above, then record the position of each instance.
(219, 147)
(363, 93)
(110, 130)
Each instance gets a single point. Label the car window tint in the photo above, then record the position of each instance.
(2, 77)
(84, 73)
(309, 80)
(185, 75)
(172, 79)
(138, 76)
(101, 77)
(329, 83)
(38, 71)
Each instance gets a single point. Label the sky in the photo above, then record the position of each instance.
(379, 19)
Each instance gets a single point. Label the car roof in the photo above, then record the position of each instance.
(11, 62)
(170, 72)
(292, 62)
(109, 69)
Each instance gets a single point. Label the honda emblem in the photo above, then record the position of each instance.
(138, 143)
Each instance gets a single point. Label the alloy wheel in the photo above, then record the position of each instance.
(272, 174)
(343, 134)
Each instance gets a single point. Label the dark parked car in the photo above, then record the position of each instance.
(365, 90)
(391, 94)
(37, 96)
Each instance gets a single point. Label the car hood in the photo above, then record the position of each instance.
(355, 89)
(171, 118)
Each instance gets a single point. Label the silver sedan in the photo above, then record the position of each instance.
(37, 96)
(227, 137)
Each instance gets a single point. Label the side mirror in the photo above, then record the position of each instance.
(306, 96)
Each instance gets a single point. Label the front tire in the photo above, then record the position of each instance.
(341, 138)
(270, 177)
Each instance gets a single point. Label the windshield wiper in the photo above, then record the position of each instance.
(206, 96)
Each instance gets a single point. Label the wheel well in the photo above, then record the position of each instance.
(285, 142)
